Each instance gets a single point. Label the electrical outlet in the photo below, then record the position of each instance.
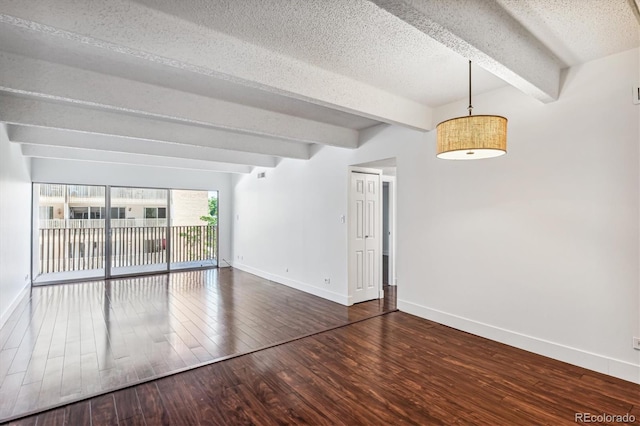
(327, 281)
(286, 269)
(26, 277)
(636, 343)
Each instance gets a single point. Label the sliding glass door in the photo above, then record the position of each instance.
(194, 237)
(84, 231)
(69, 232)
(138, 230)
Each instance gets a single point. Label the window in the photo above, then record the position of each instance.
(46, 212)
(86, 212)
(78, 212)
(155, 212)
(96, 212)
(118, 213)
(150, 212)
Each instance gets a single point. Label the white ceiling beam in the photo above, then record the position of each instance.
(480, 30)
(31, 112)
(106, 143)
(63, 153)
(61, 83)
(204, 51)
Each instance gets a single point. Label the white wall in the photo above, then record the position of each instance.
(538, 249)
(15, 224)
(93, 173)
(288, 225)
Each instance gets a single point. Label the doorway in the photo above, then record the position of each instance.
(365, 235)
(69, 242)
(389, 228)
(137, 230)
(386, 227)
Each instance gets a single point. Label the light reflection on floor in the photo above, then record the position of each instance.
(70, 341)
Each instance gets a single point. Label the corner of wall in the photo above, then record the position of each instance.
(298, 285)
(15, 224)
(22, 295)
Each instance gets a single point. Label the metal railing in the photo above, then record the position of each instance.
(193, 243)
(133, 246)
(71, 249)
(99, 223)
(77, 249)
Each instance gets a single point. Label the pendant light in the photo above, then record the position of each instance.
(472, 137)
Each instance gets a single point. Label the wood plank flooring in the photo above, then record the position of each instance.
(387, 370)
(71, 341)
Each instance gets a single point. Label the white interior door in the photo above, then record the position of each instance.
(365, 237)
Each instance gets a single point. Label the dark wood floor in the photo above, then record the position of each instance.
(390, 369)
(72, 341)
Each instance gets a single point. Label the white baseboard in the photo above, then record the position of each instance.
(600, 363)
(6, 314)
(307, 288)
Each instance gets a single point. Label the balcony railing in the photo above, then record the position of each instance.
(55, 191)
(76, 249)
(99, 223)
(90, 192)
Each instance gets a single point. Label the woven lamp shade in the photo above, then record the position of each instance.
(472, 137)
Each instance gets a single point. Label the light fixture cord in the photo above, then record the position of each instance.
(470, 107)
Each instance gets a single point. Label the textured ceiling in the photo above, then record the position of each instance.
(354, 38)
(70, 52)
(578, 31)
(232, 84)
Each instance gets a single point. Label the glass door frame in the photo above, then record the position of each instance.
(107, 237)
(109, 234)
(35, 235)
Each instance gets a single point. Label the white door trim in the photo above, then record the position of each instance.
(391, 180)
(350, 224)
